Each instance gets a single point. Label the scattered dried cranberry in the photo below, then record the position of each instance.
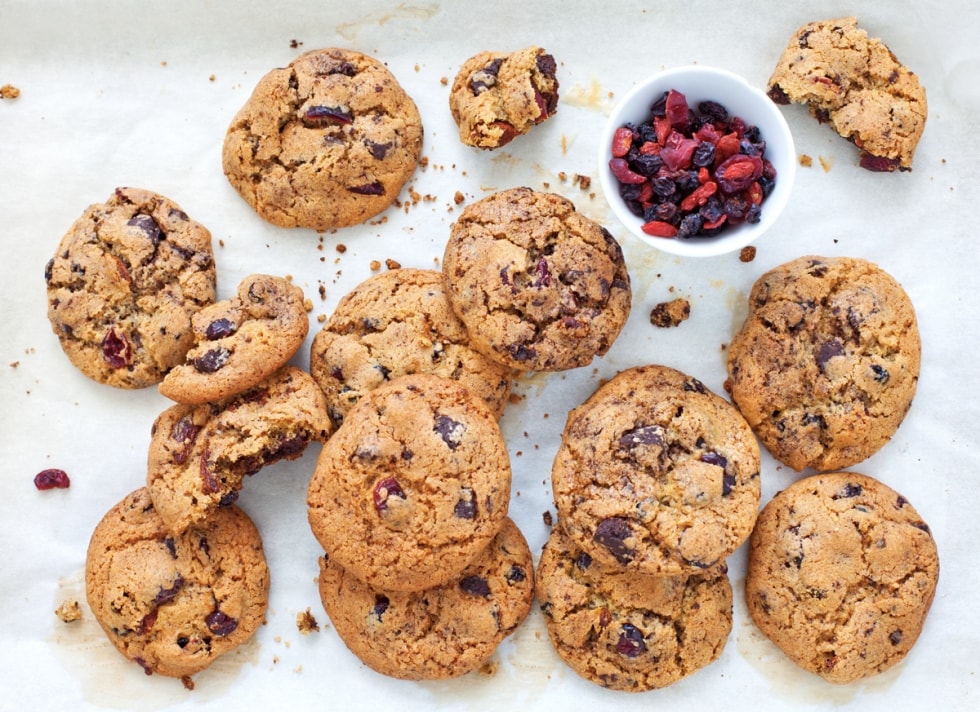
(51, 479)
(220, 623)
(691, 172)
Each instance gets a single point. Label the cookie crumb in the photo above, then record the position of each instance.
(308, 305)
(547, 519)
(321, 318)
(514, 400)
(295, 44)
(375, 265)
(459, 198)
(392, 264)
(583, 182)
(747, 253)
(187, 682)
(444, 81)
(341, 248)
(69, 611)
(9, 91)
(489, 668)
(672, 313)
(323, 292)
(805, 160)
(306, 623)
(211, 78)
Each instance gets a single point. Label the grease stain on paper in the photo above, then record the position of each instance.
(402, 11)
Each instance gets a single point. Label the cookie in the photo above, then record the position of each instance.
(123, 285)
(497, 96)
(825, 366)
(199, 455)
(841, 574)
(629, 631)
(240, 341)
(442, 632)
(412, 486)
(173, 604)
(855, 84)
(397, 323)
(539, 286)
(657, 474)
(326, 142)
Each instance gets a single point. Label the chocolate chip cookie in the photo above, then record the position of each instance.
(326, 142)
(174, 603)
(240, 341)
(413, 484)
(855, 84)
(539, 286)
(441, 632)
(657, 474)
(629, 631)
(123, 285)
(842, 572)
(397, 323)
(199, 455)
(826, 364)
(497, 96)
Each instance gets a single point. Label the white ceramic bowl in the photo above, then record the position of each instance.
(741, 99)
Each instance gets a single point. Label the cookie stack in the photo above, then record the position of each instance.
(656, 482)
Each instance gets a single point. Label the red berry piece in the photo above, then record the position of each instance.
(51, 479)
(384, 490)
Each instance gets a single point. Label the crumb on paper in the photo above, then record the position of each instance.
(547, 518)
(323, 292)
(211, 78)
(583, 182)
(321, 318)
(444, 80)
(747, 253)
(805, 160)
(295, 44)
(341, 248)
(187, 682)
(69, 611)
(826, 164)
(306, 622)
(308, 305)
(14, 364)
(459, 198)
(672, 313)
(514, 398)
(392, 264)
(9, 91)
(375, 265)
(489, 668)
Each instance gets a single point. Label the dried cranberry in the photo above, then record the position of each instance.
(630, 643)
(322, 116)
(116, 349)
(375, 188)
(385, 489)
(220, 623)
(168, 594)
(51, 479)
(212, 360)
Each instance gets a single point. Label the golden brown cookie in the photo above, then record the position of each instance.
(413, 484)
(842, 572)
(240, 341)
(854, 83)
(441, 632)
(629, 631)
(657, 474)
(539, 286)
(123, 285)
(497, 96)
(826, 364)
(393, 324)
(172, 604)
(199, 455)
(326, 142)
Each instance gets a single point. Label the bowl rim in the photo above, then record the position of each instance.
(730, 240)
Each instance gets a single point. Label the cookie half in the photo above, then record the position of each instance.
(412, 486)
(629, 631)
(123, 285)
(173, 604)
(393, 324)
(325, 142)
(657, 474)
(539, 286)
(441, 632)
(826, 364)
(842, 572)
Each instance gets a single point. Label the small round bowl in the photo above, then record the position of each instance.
(741, 99)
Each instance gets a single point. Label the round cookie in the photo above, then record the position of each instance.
(173, 604)
(393, 324)
(123, 284)
(629, 631)
(199, 455)
(497, 96)
(841, 574)
(412, 486)
(855, 84)
(657, 474)
(325, 142)
(240, 341)
(826, 364)
(442, 632)
(539, 286)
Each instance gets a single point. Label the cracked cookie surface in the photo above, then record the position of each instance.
(826, 364)
(393, 324)
(657, 474)
(240, 341)
(199, 455)
(842, 572)
(497, 96)
(172, 604)
(123, 285)
(413, 484)
(539, 286)
(326, 142)
(629, 631)
(855, 84)
(445, 631)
